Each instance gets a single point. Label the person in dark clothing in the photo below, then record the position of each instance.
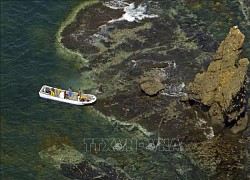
(65, 94)
(100, 90)
(79, 92)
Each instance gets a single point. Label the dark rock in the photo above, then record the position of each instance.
(241, 125)
(87, 170)
(220, 153)
(83, 170)
(222, 86)
(85, 68)
(74, 38)
(76, 165)
(100, 89)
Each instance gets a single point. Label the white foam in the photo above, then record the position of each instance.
(174, 90)
(132, 13)
(210, 134)
(116, 4)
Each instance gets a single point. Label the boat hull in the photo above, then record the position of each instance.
(45, 95)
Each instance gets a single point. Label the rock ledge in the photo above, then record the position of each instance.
(222, 87)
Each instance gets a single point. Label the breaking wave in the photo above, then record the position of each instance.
(132, 13)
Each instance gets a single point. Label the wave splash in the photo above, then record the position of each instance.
(132, 13)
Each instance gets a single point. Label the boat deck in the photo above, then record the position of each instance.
(57, 94)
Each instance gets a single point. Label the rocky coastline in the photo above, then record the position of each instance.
(222, 88)
(142, 68)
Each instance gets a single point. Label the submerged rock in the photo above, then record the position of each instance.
(76, 165)
(151, 86)
(221, 156)
(56, 155)
(222, 87)
(86, 170)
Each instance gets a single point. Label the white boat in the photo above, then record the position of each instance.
(57, 94)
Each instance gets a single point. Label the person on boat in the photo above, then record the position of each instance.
(65, 94)
(79, 95)
(79, 92)
(70, 92)
(83, 98)
(59, 90)
(52, 92)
